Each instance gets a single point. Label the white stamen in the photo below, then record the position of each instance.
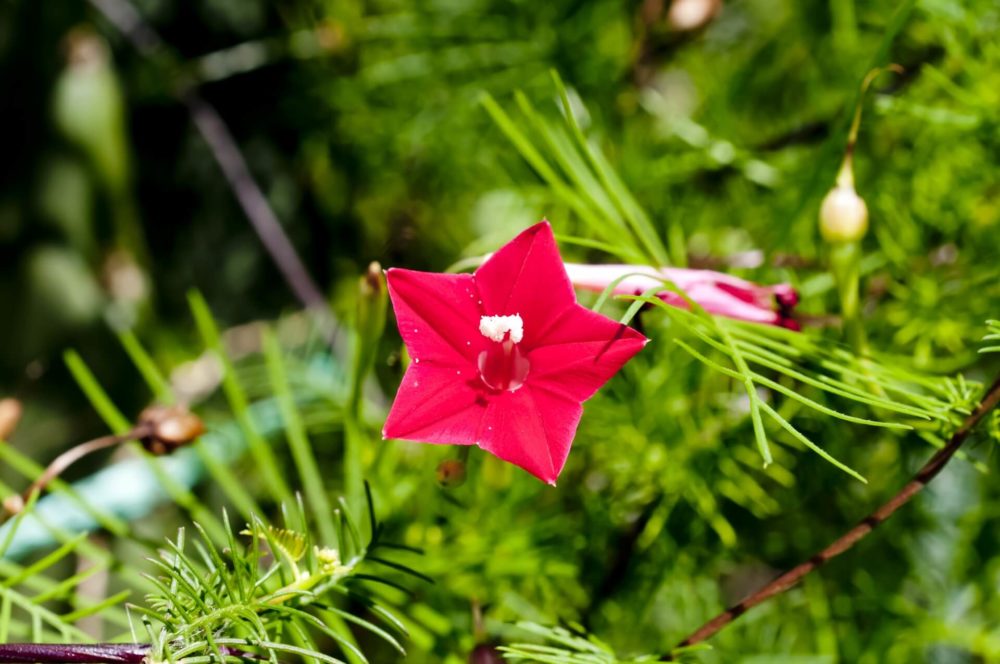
(495, 327)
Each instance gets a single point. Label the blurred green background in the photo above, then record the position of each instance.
(363, 123)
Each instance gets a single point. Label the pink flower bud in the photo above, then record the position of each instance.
(715, 292)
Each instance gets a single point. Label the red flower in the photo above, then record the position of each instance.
(502, 358)
(715, 292)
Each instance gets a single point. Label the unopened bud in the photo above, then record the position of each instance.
(373, 282)
(843, 216)
(687, 15)
(370, 323)
(124, 278)
(88, 106)
(13, 504)
(451, 473)
(169, 427)
(10, 415)
(786, 295)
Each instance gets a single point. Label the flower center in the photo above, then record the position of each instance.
(503, 366)
(497, 327)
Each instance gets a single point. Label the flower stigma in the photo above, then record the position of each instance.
(502, 366)
(496, 327)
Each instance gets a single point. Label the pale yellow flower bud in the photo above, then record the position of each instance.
(843, 216)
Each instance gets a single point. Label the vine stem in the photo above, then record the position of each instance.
(846, 541)
(92, 653)
(16, 502)
(74, 454)
(95, 653)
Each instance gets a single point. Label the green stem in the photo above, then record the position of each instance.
(845, 264)
(298, 440)
(845, 24)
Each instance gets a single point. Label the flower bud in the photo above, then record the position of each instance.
(330, 563)
(13, 504)
(688, 15)
(370, 323)
(10, 415)
(451, 473)
(124, 278)
(372, 281)
(89, 108)
(169, 427)
(843, 216)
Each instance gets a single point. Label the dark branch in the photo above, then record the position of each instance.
(95, 653)
(784, 582)
(92, 653)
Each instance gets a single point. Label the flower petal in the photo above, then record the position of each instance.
(526, 276)
(436, 405)
(716, 292)
(532, 429)
(581, 351)
(438, 315)
(633, 278)
(721, 302)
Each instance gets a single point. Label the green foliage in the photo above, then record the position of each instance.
(29, 594)
(424, 137)
(280, 594)
(992, 335)
(801, 361)
(272, 605)
(562, 646)
(583, 180)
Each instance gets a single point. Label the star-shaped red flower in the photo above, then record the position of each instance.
(502, 358)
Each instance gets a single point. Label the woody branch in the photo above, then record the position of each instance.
(846, 541)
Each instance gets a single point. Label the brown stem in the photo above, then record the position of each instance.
(226, 152)
(855, 534)
(74, 454)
